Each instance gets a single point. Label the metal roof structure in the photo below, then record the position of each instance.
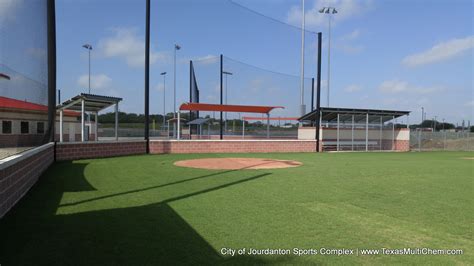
(92, 102)
(227, 108)
(249, 118)
(345, 114)
(199, 121)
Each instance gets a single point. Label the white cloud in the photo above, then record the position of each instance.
(398, 86)
(100, 81)
(350, 49)
(470, 103)
(352, 88)
(8, 9)
(346, 9)
(126, 44)
(440, 52)
(351, 36)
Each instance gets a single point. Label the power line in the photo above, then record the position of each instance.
(268, 17)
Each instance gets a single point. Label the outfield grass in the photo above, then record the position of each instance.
(143, 210)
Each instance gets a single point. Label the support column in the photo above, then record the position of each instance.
(178, 134)
(96, 126)
(337, 140)
(367, 132)
(381, 132)
(82, 120)
(393, 133)
(243, 129)
(61, 126)
(116, 120)
(352, 134)
(268, 126)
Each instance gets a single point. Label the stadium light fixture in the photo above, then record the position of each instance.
(89, 48)
(330, 11)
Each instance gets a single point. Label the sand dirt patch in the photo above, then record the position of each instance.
(237, 163)
(468, 158)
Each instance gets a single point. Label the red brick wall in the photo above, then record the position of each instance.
(86, 150)
(231, 146)
(18, 175)
(402, 145)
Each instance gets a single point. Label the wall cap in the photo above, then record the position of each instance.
(11, 160)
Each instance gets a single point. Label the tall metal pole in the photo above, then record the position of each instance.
(89, 71)
(221, 94)
(302, 107)
(318, 92)
(174, 93)
(147, 76)
(312, 94)
(329, 60)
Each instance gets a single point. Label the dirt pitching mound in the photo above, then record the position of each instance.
(237, 163)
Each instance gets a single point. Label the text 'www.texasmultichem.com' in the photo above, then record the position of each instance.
(337, 251)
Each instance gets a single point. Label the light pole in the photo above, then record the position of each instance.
(176, 48)
(226, 73)
(330, 11)
(89, 48)
(164, 97)
(302, 106)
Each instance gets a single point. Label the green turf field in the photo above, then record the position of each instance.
(143, 210)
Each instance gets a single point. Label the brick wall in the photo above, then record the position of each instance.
(402, 145)
(231, 146)
(19, 173)
(86, 150)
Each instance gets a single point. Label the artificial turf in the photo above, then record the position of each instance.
(144, 210)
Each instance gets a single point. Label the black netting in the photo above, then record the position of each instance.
(24, 74)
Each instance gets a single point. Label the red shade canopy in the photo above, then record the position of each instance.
(227, 108)
(247, 118)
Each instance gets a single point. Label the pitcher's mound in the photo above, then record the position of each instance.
(237, 163)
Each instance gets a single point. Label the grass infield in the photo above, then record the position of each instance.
(144, 210)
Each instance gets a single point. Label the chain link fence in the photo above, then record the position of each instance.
(439, 141)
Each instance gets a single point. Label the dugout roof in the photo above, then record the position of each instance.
(345, 114)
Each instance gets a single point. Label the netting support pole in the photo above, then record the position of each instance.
(82, 120)
(367, 132)
(51, 32)
(116, 120)
(221, 92)
(268, 125)
(61, 126)
(318, 92)
(147, 76)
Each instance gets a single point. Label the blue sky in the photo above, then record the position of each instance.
(384, 54)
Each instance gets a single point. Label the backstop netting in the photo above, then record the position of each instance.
(245, 84)
(23, 75)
